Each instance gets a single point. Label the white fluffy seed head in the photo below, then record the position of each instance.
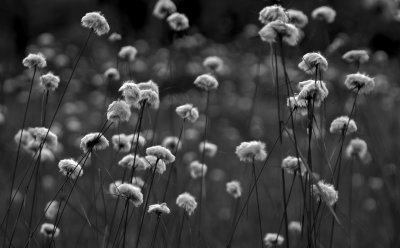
(213, 63)
(48, 230)
(288, 32)
(272, 13)
(93, 142)
(49, 81)
(171, 143)
(127, 53)
(208, 148)
(359, 82)
(130, 161)
(118, 111)
(51, 210)
(247, 151)
(112, 74)
(187, 202)
(325, 192)
(273, 239)
(34, 60)
(70, 168)
(131, 93)
(178, 22)
(155, 163)
(357, 148)
(324, 13)
(206, 82)
(197, 169)
(159, 209)
(114, 37)
(188, 112)
(356, 56)
(234, 188)
(294, 227)
(297, 18)
(164, 8)
(311, 61)
(121, 142)
(97, 22)
(130, 192)
(292, 164)
(343, 123)
(312, 90)
(161, 153)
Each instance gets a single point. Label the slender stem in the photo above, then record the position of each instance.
(126, 223)
(181, 229)
(258, 203)
(153, 241)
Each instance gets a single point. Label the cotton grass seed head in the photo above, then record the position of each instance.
(295, 103)
(138, 182)
(273, 239)
(130, 192)
(247, 151)
(114, 37)
(159, 164)
(206, 82)
(358, 82)
(164, 8)
(340, 124)
(288, 32)
(326, 192)
(149, 85)
(43, 135)
(49, 81)
(135, 139)
(161, 153)
(208, 148)
(357, 148)
(188, 112)
(130, 161)
(356, 56)
(121, 142)
(312, 61)
(214, 64)
(159, 209)
(312, 90)
(70, 168)
(118, 111)
(97, 22)
(187, 202)
(112, 74)
(292, 164)
(127, 53)
(131, 93)
(234, 188)
(93, 142)
(324, 13)
(48, 230)
(151, 97)
(51, 210)
(197, 169)
(272, 13)
(112, 188)
(297, 18)
(178, 22)
(171, 143)
(34, 60)
(294, 227)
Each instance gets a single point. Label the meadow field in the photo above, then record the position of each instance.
(284, 132)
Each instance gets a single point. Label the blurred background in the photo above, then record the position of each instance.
(226, 28)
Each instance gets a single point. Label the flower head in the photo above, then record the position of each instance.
(213, 63)
(197, 169)
(234, 188)
(34, 60)
(49, 230)
(43, 135)
(247, 151)
(113, 187)
(122, 142)
(163, 8)
(130, 161)
(97, 22)
(138, 182)
(149, 85)
(130, 192)
(313, 90)
(155, 163)
(178, 22)
(358, 148)
(151, 97)
(188, 112)
(292, 164)
(114, 37)
(206, 82)
(171, 143)
(208, 148)
(187, 202)
(288, 32)
(127, 53)
(49, 81)
(112, 74)
(342, 124)
(297, 18)
(359, 83)
(93, 142)
(273, 239)
(324, 13)
(51, 210)
(294, 227)
(312, 61)
(159, 209)
(296, 103)
(326, 192)
(356, 56)
(118, 111)
(272, 13)
(70, 168)
(131, 93)
(161, 153)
